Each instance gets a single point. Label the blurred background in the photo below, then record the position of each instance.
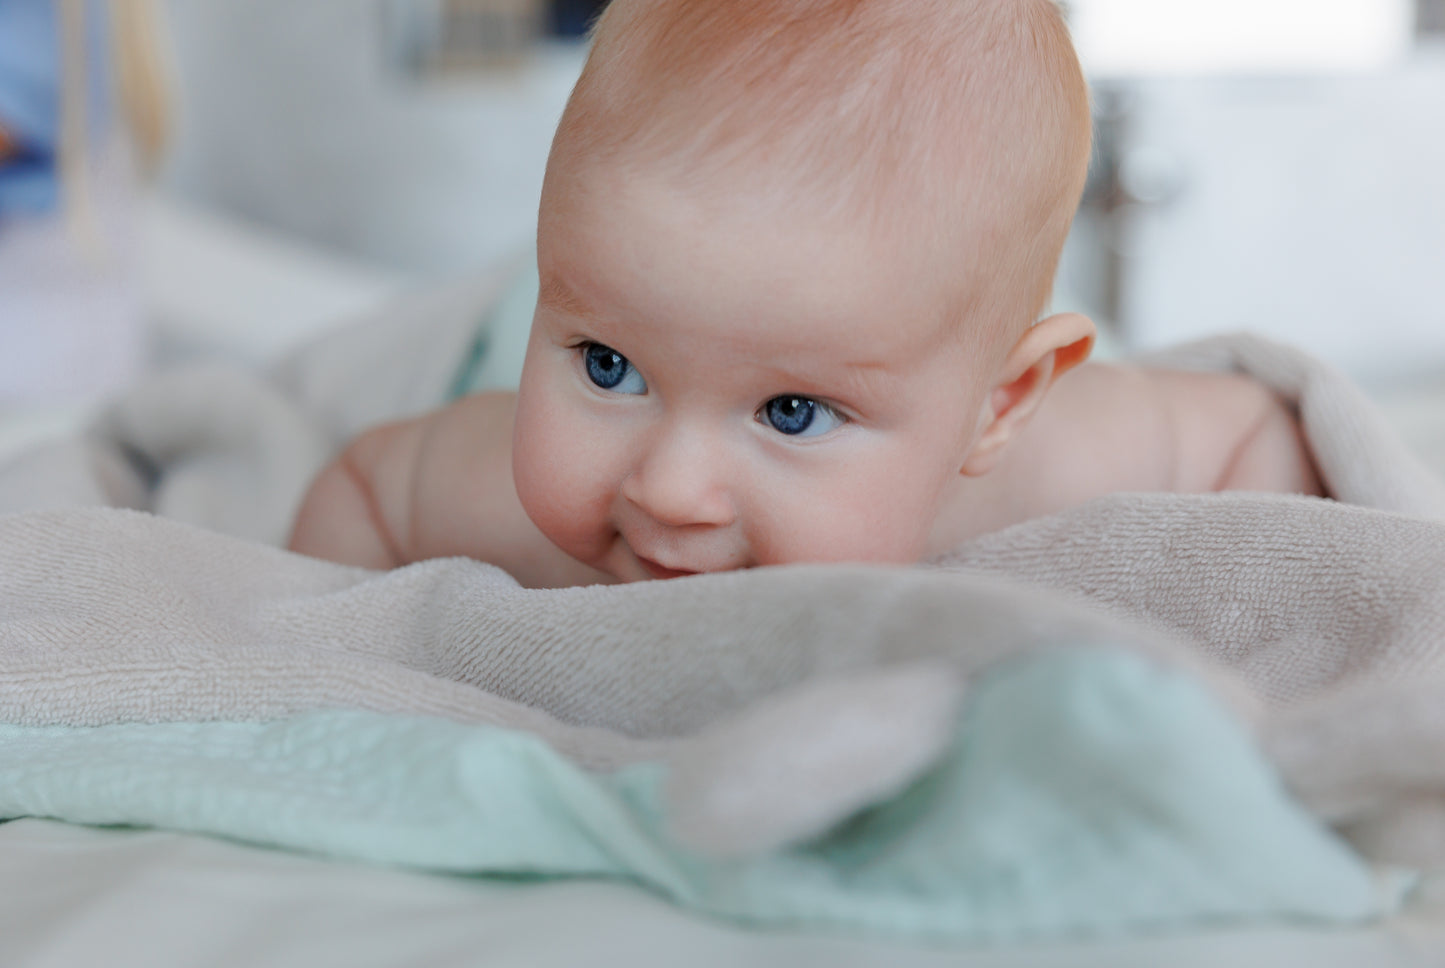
(230, 177)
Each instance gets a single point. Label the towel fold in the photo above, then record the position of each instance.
(1081, 793)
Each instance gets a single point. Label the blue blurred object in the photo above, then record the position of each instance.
(29, 104)
(573, 18)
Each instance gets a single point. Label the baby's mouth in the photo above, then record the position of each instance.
(659, 572)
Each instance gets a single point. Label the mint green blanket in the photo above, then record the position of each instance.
(1086, 792)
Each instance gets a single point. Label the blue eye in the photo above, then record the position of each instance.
(610, 370)
(799, 416)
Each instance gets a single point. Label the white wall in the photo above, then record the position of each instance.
(1161, 37)
(292, 114)
(1309, 208)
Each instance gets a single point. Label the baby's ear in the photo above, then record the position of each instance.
(1046, 352)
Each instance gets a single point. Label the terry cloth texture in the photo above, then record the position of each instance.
(1317, 623)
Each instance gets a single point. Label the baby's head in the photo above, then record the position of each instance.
(793, 255)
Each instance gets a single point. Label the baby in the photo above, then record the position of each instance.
(793, 259)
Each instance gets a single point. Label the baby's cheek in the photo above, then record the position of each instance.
(561, 491)
(861, 523)
(543, 487)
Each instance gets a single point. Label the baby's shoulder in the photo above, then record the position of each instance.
(1210, 415)
(1111, 427)
(1232, 433)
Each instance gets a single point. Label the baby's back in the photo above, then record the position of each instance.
(1110, 428)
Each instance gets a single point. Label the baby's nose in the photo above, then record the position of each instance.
(680, 481)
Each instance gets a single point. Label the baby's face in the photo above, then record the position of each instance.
(717, 385)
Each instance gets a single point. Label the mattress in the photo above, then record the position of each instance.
(149, 899)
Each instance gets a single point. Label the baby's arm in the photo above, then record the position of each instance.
(435, 486)
(340, 518)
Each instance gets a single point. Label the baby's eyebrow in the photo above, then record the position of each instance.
(869, 379)
(863, 384)
(556, 294)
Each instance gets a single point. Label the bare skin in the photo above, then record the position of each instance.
(441, 484)
(646, 439)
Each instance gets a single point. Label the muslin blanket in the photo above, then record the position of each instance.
(805, 712)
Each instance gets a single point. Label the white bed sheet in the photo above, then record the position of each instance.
(145, 899)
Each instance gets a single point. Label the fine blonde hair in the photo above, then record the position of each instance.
(975, 110)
